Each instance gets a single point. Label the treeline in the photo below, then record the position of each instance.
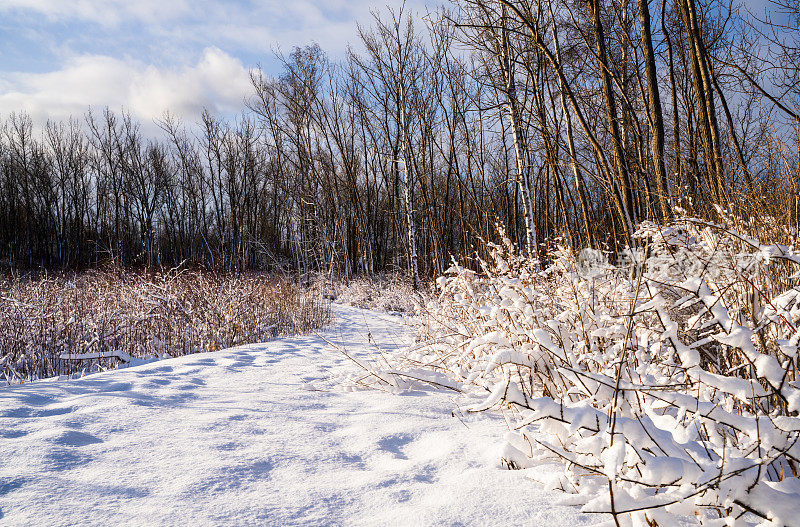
(562, 120)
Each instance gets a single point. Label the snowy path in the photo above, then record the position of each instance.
(233, 438)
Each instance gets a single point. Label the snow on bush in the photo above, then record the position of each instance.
(668, 386)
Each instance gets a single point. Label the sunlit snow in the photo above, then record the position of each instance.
(238, 437)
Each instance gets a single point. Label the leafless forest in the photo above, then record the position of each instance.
(576, 119)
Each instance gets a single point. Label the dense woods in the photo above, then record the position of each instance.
(562, 120)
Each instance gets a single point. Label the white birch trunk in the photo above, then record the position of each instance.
(406, 183)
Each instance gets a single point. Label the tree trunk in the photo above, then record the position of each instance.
(656, 118)
(611, 116)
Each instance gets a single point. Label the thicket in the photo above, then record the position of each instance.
(667, 386)
(89, 321)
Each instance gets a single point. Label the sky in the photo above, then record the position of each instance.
(58, 58)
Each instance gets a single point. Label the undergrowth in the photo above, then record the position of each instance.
(381, 292)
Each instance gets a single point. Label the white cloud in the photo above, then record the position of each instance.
(249, 25)
(285, 24)
(105, 12)
(217, 81)
(150, 56)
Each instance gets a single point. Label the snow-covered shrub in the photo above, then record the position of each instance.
(669, 387)
(94, 320)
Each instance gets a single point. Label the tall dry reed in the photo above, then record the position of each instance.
(64, 325)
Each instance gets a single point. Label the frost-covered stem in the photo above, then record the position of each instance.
(687, 424)
(611, 502)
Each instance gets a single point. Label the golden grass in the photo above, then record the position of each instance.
(100, 314)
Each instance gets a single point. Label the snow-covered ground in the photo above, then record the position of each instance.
(238, 438)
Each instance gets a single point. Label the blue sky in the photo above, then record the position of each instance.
(58, 57)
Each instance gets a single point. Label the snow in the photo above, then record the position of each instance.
(239, 437)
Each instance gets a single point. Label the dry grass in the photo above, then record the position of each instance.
(383, 292)
(110, 316)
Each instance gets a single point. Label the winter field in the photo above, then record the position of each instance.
(409, 262)
(261, 435)
(661, 390)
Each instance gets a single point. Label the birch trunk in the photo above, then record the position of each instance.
(517, 136)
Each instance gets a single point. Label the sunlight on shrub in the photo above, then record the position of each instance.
(668, 387)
